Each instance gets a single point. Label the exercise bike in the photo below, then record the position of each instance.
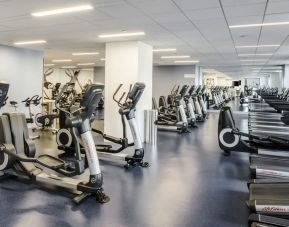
(34, 100)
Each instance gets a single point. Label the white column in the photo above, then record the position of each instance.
(126, 63)
(286, 76)
(198, 75)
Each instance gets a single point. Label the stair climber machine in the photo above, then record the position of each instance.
(17, 151)
(173, 118)
(127, 103)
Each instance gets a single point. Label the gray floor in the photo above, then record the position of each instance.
(190, 183)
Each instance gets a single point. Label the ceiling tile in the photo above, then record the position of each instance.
(245, 10)
(278, 6)
(197, 4)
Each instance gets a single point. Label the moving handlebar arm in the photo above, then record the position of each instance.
(268, 138)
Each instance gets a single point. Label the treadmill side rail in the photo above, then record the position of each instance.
(267, 220)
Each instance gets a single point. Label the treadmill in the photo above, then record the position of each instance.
(260, 220)
(269, 197)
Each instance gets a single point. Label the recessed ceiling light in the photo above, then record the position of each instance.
(68, 67)
(164, 50)
(253, 63)
(30, 42)
(62, 11)
(175, 56)
(240, 55)
(62, 60)
(125, 34)
(46, 65)
(88, 69)
(86, 63)
(189, 61)
(259, 25)
(254, 46)
(253, 60)
(85, 53)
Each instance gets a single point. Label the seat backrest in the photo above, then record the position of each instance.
(20, 134)
(5, 131)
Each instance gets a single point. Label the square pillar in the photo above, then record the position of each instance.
(198, 75)
(285, 76)
(126, 63)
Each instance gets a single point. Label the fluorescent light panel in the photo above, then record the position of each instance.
(253, 60)
(259, 25)
(176, 56)
(254, 46)
(86, 63)
(30, 42)
(125, 34)
(68, 67)
(164, 50)
(85, 53)
(102, 59)
(253, 63)
(46, 65)
(241, 55)
(189, 61)
(62, 60)
(62, 11)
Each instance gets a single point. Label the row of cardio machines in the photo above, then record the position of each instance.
(267, 141)
(219, 96)
(182, 109)
(19, 157)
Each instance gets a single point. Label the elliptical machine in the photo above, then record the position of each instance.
(173, 117)
(17, 154)
(107, 152)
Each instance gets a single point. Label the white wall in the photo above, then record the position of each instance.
(275, 80)
(165, 77)
(59, 76)
(23, 69)
(264, 80)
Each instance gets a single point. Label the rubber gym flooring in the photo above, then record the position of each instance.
(190, 183)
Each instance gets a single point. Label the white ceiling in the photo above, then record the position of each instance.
(195, 27)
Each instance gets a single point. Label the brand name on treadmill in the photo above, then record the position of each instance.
(273, 209)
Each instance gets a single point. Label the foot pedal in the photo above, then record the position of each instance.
(99, 196)
(103, 147)
(50, 161)
(78, 199)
